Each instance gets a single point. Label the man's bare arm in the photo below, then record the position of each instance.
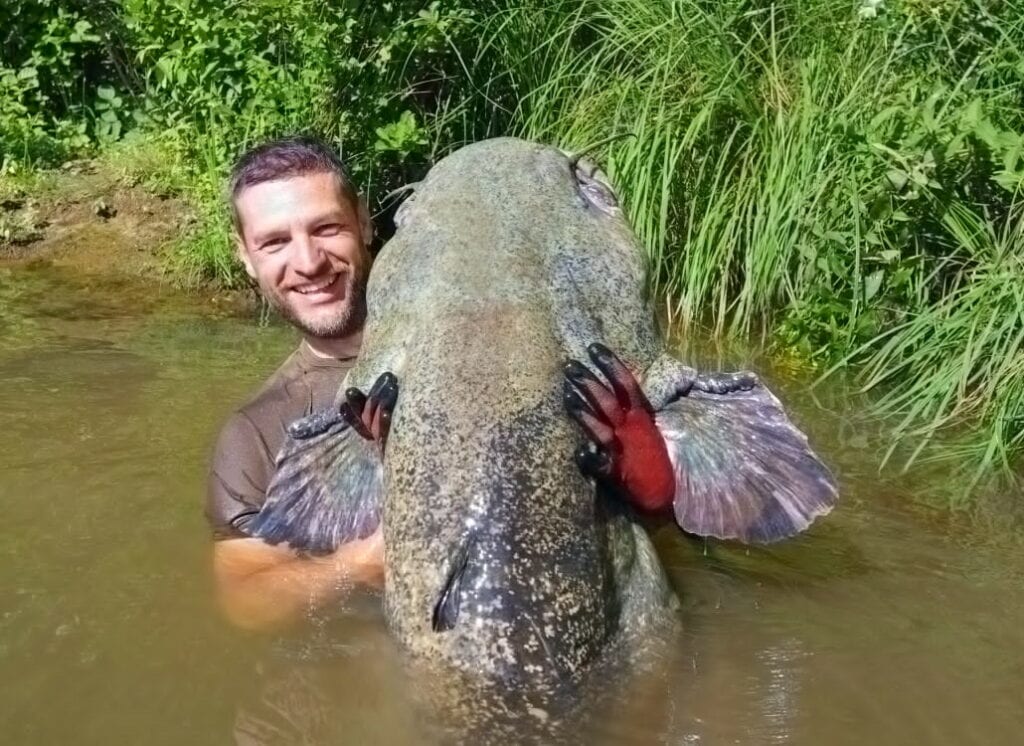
(260, 586)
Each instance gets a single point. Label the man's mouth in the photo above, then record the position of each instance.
(323, 286)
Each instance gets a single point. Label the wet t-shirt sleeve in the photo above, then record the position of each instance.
(246, 451)
(239, 476)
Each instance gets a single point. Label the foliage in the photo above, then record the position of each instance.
(59, 65)
(959, 358)
(223, 76)
(257, 69)
(840, 178)
(799, 171)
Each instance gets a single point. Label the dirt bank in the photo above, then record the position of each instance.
(90, 218)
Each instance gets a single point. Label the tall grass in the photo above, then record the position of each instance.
(962, 358)
(740, 173)
(839, 179)
(820, 179)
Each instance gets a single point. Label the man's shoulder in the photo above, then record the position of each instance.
(246, 449)
(301, 385)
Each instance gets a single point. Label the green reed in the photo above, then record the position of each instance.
(827, 181)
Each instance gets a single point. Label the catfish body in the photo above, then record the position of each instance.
(502, 560)
(500, 557)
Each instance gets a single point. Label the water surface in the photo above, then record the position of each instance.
(889, 623)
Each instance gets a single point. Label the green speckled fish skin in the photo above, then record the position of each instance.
(500, 271)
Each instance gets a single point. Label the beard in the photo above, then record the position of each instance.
(347, 319)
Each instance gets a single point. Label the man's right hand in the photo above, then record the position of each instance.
(261, 586)
(364, 559)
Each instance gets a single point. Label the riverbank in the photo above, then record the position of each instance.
(839, 181)
(111, 218)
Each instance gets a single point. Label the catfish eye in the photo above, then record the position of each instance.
(593, 186)
(402, 213)
(406, 195)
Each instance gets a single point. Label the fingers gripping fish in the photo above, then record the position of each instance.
(718, 450)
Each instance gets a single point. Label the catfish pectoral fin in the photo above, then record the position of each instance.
(449, 602)
(742, 469)
(315, 424)
(326, 489)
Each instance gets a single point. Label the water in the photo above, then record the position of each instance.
(889, 623)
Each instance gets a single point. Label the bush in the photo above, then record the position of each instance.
(62, 64)
(838, 178)
(223, 76)
(798, 172)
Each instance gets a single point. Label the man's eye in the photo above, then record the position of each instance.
(272, 245)
(328, 229)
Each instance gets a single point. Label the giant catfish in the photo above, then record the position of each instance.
(503, 559)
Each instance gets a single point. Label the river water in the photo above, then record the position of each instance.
(890, 622)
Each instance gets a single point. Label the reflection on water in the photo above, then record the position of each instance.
(889, 623)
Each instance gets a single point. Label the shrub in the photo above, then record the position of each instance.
(826, 176)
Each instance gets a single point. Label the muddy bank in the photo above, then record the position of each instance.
(90, 219)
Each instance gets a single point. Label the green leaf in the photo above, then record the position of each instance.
(897, 178)
(883, 116)
(402, 135)
(872, 284)
(987, 133)
(1008, 180)
(973, 114)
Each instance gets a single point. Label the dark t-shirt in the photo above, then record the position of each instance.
(243, 459)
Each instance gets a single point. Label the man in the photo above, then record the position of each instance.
(303, 235)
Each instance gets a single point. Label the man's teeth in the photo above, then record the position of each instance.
(316, 287)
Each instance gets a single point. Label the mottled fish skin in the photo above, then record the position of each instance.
(507, 572)
(500, 271)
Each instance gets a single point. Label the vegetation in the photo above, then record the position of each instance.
(838, 178)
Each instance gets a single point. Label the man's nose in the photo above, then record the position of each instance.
(306, 257)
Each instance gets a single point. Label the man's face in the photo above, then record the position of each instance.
(305, 244)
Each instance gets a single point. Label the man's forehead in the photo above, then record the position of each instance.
(291, 189)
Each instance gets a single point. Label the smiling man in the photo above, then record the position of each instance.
(303, 235)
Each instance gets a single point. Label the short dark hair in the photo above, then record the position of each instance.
(286, 158)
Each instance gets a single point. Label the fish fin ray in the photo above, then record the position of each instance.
(326, 489)
(743, 470)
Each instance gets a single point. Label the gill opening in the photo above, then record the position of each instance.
(385, 201)
(449, 602)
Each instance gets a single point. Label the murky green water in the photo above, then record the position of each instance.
(887, 624)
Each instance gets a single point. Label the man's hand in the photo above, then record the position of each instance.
(370, 414)
(261, 586)
(364, 559)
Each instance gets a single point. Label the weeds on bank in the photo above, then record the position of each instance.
(802, 172)
(838, 178)
(960, 358)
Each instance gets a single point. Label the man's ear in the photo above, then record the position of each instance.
(243, 255)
